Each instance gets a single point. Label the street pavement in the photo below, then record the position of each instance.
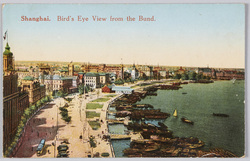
(41, 126)
(47, 124)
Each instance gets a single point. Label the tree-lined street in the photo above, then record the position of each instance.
(48, 124)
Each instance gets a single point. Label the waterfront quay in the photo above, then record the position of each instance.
(48, 124)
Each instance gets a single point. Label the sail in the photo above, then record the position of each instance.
(175, 113)
(233, 80)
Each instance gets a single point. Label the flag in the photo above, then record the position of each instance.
(4, 37)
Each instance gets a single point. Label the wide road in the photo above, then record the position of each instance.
(47, 124)
(42, 126)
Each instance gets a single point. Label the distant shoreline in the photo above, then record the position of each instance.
(19, 62)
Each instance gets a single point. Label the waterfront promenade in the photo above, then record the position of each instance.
(47, 124)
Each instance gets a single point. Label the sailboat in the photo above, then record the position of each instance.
(233, 80)
(175, 113)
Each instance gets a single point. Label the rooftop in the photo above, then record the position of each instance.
(7, 50)
(63, 70)
(122, 88)
(102, 74)
(28, 78)
(55, 77)
(91, 74)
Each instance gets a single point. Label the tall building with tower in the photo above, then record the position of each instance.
(122, 69)
(8, 61)
(14, 100)
(71, 69)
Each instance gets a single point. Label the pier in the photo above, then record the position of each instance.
(115, 122)
(119, 136)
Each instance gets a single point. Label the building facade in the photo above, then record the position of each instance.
(14, 101)
(33, 87)
(92, 80)
(56, 83)
(71, 69)
(104, 78)
(134, 73)
(122, 90)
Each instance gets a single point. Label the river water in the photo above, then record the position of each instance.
(198, 105)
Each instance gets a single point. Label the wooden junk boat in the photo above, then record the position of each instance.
(187, 121)
(220, 115)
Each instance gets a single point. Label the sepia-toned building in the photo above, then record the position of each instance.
(33, 87)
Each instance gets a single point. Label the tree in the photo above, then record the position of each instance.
(193, 76)
(98, 93)
(23, 120)
(204, 77)
(39, 103)
(81, 88)
(177, 76)
(92, 141)
(199, 76)
(68, 119)
(33, 108)
(61, 93)
(119, 81)
(184, 76)
(87, 88)
(47, 99)
(27, 112)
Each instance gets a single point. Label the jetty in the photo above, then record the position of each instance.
(119, 136)
(115, 122)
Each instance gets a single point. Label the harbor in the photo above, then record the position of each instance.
(198, 130)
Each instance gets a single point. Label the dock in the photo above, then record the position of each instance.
(112, 112)
(119, 136)
(115, 122)
(136, 136)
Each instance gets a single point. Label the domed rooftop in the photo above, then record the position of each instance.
(7, 50)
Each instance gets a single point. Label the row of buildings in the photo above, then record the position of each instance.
(96, 76)
(16, 98)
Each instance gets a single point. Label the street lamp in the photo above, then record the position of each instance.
(56, 128)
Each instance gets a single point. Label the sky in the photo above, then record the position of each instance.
(196, 35)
